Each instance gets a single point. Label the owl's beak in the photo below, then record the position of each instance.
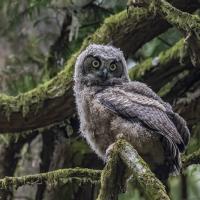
(103, 74)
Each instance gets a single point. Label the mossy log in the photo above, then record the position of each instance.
(53, 101)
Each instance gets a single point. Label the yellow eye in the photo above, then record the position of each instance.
(95, 64)
(113, 67)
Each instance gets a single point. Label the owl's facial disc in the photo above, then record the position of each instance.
(102, 71)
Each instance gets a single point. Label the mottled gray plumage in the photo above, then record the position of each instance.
(109, 104)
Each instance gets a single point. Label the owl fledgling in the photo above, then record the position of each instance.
(110, 104)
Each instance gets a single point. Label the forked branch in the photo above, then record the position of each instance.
(152, 187)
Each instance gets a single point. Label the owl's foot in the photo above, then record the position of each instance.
(136, 3)
(109, 150)
(110, 147)
(120, 136)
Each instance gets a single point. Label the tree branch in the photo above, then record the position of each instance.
(182, 20)
(67, 175)
(113, 176)
(159, 70)
(108, 179)
(187, 23)
(152, 187)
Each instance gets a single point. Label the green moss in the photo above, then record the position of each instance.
(172, 53)
(112, 27)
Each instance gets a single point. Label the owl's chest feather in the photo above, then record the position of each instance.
(95, 124)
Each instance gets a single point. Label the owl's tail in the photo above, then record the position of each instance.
(172, 164)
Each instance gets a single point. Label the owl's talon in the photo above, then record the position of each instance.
(136, 3)
(109, 150)
(120, 136)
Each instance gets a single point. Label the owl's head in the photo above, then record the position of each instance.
(101, 65)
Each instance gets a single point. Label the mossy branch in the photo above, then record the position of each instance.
(112, 177)
(152, 187)
(189, 24)
(182, 20)
(159, 70)
(61, 175)
(108, 178)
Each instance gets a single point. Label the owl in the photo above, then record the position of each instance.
(109, 105)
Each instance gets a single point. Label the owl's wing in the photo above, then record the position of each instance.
(149, 112)
(179, 122)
